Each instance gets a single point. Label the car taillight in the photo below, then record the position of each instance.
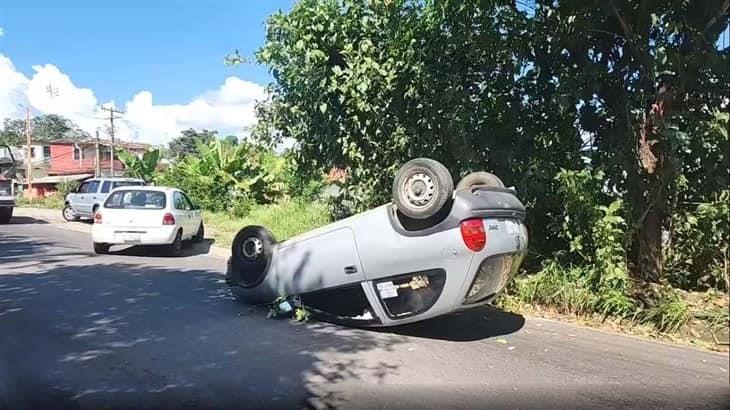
(168, 219)
(97, 217)
(472, 232)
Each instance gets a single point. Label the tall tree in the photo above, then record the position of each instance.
(648, 76)
(367, 85)
(44, 128)
(188, 141)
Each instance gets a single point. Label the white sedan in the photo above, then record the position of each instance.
(146, 215)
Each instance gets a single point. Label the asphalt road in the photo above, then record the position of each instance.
(135, 330)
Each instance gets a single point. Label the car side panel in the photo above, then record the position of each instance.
(323, 261)
(384, 253)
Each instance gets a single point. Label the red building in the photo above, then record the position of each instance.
(79, 157)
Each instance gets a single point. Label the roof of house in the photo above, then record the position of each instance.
(105, 143)
(59, 178)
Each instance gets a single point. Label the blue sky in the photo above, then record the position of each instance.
(174, 49)
(161, 61)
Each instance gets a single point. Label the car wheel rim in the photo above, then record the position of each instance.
(419, 189)
(252, 248)
(68, 212)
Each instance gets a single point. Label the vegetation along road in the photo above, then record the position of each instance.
(133, 329)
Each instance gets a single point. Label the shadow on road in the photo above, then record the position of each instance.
(466, 326)
(189, 249)
(117, 335)
(26, 220)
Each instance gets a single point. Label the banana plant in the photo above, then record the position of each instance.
(136, 167)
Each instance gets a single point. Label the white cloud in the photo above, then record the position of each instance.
(228, 109)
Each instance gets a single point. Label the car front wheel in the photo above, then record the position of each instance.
(69, 214)
(251, 255)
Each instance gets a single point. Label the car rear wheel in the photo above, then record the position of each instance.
(5, 214)
(480, 179)
(175, 248)
(200, 234)
(421, 188)
(69, 214)
(251, 254)
(101, 248)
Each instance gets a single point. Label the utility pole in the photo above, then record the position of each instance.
(112, 111)
(29, 166)
(97, 165)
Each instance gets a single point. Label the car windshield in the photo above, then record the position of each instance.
(136, 199)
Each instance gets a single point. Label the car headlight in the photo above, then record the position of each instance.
(492, 276)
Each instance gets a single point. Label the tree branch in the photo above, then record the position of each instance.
(629, 36)
(723, 11)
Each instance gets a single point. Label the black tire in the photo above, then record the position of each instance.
(200, 235)
(101, 248)
(175, 248)
(480, 179)
(69, 214)
(421, 188)
(6, 213)
(251, 254)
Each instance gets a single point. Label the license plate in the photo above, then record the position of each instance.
(130, 237)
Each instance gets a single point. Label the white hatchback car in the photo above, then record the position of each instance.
(146, 215)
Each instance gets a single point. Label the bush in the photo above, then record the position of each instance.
(593, 275)
(223, 177)
(697, 253)
(565, 289)
(54, 201)
(67, 186)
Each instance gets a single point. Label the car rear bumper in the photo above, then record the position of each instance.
(6, 201)
(119, 235)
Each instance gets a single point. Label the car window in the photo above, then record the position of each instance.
(118, 184)
(136, 199)
(93, 187)
(105, 187)
(84, 188)
(180, 202)
(188, 202)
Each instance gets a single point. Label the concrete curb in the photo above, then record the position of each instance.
(53, 217)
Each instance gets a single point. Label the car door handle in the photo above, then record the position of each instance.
(349, 270)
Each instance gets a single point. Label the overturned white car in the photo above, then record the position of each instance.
(433, 250)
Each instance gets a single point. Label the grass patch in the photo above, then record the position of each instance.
(285, 219)
(54, 201)
(565, 290)
(669, 313)
(660, 312)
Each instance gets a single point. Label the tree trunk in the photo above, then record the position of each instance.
(649, 192)
(649, 241)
